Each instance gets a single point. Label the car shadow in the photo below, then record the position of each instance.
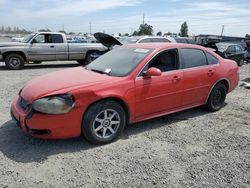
(21, 147)
(43, 66)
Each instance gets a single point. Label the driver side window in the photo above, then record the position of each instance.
(43, 38)
(230, 49)
(165, 61)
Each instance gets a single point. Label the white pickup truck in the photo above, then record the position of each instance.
(46, 46)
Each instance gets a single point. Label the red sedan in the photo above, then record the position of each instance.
(128, 84)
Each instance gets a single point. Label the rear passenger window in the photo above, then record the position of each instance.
(145, 40)
(159, 40)
(193, 58)
(56, 38)
(238, 49)
(211, 59)
(231, 49)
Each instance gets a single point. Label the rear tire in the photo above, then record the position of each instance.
(14, 61)
(103, 122)
(240, 62)
(216, 98)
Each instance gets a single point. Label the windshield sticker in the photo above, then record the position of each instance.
(107, 71)
(141, 50)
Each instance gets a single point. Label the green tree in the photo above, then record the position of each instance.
(184, 30)
(44, 30)
(144, 29)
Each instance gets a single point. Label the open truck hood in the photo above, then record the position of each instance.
(107, 40)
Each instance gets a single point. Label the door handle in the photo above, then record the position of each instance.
(176, 78)
(52, 46)
(210, 72)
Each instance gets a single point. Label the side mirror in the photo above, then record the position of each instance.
(152, 72)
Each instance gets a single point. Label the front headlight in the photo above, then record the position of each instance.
(59, 104)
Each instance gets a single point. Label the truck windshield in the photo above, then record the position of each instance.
(28, 38)
(119, 62)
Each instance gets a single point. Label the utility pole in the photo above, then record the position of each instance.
(222, 30)
(90, 28)
(143, 22)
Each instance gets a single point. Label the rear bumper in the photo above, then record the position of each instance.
(47, 126)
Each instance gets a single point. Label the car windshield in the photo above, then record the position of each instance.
(129, 40)
(119, 62)
(28, 37)
(221, 47)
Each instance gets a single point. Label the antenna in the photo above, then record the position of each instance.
(90, 28)
(222, 30)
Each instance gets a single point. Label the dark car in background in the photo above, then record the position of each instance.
(185, 40)
(231, 51)
(247, 56)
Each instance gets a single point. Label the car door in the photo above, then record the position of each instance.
(160, 93)
(198, 76)
(239, 52)
(42, 49)
(230, 53)
(60, 46)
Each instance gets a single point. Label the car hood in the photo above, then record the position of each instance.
(107, 40)
(10, 44)
(61, 82)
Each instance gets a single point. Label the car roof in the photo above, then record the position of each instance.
(226, 44)
(160, 46)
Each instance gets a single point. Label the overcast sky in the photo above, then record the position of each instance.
(122, 16)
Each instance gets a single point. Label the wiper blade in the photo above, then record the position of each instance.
(99, 71)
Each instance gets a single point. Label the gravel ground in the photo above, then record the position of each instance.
(193, 148)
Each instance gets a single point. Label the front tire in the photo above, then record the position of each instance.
(216, 98)
(103, 122)
(88, 59)
(14, 61)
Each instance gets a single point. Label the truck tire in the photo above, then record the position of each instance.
(240, 62)
(14, 61)
(88, 59)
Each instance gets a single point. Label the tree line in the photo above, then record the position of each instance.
(146, 29)
(13, 30)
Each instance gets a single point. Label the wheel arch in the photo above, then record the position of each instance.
(118, 100)
(15, 52)
(90, 51)
(223, 81)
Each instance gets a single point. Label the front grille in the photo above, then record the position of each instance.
(24, 103)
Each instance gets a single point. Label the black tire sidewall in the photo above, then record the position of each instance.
(92, 112)
(210, 106)
(241, 62)
(7, 59)
(88, 58)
